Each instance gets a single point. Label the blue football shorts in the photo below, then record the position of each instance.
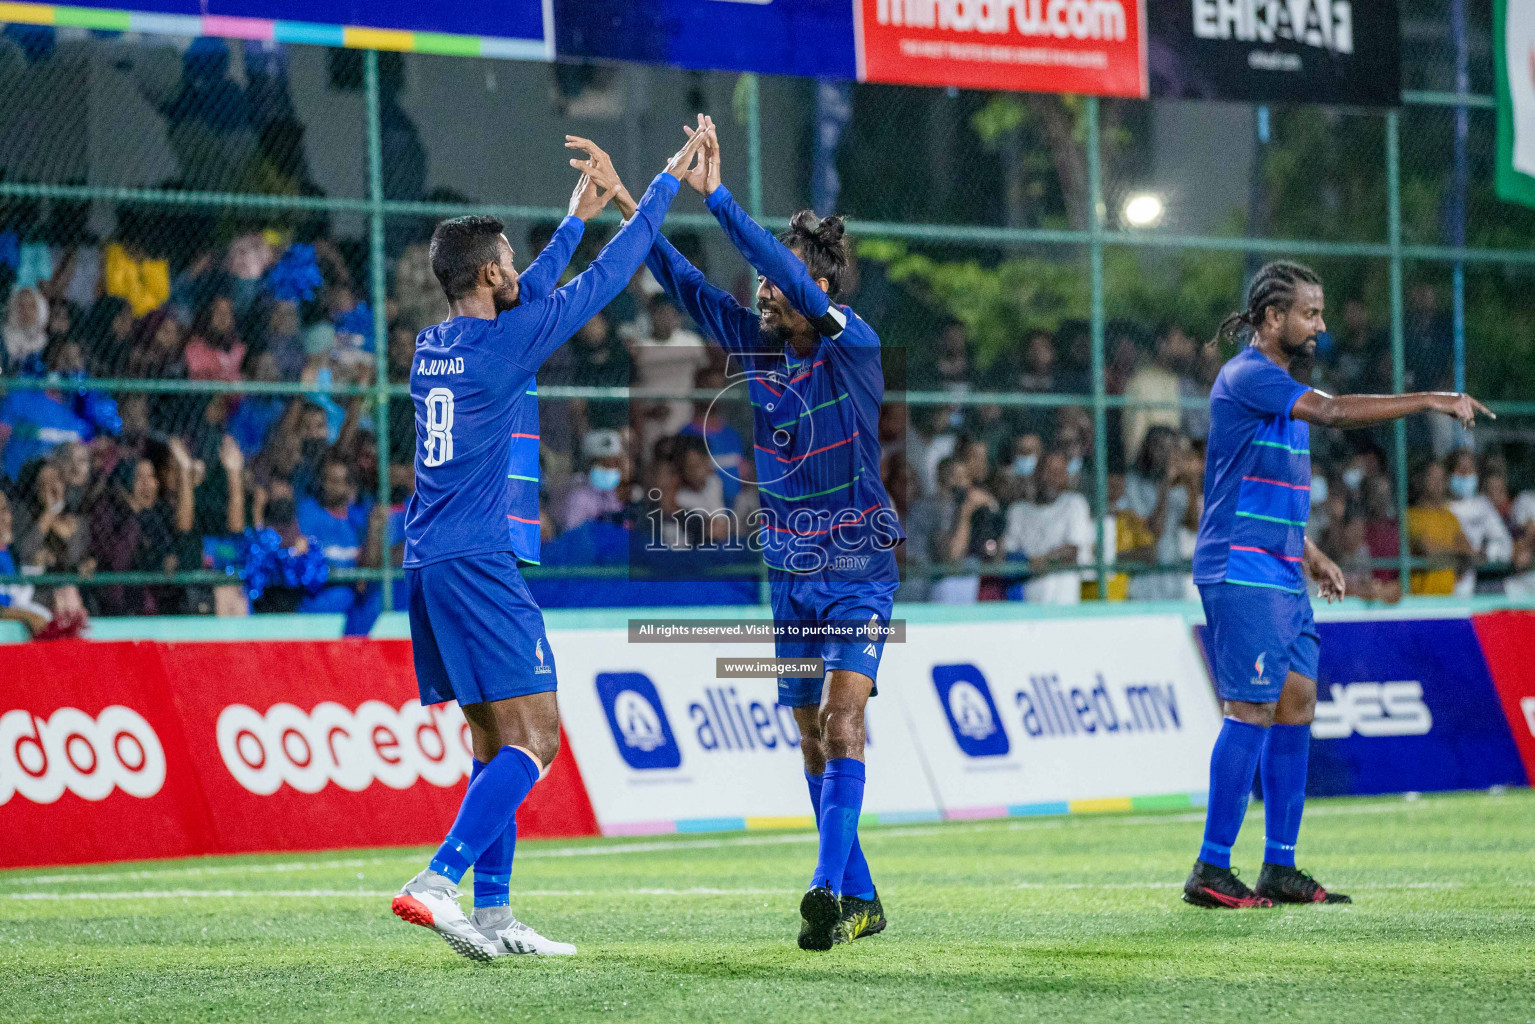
(816, 599)
(1258, 636)
(476, 633)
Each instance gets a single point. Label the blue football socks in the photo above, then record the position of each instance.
(841, 803)
(493, 868)
(1284, 790)
(489, 809)
(1233, 763)
(856, 880)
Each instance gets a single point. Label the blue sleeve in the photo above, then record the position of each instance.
(544, 272)
(714, 309)
(775, 262)
(552, 321)
(1262, 387)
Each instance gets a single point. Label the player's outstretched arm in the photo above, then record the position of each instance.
(1349, 411)
(543, 273)
(561, 314)
(714, 309)
(770, 257)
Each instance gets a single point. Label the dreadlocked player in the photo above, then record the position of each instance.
(1248, 563)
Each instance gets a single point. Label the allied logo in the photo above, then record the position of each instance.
(70, 751)
(544, 668)
(638, 719)
(966, 699)
(1372, 710)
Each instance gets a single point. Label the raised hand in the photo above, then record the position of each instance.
(704, 176)
(586, 202)
(680, 161)
(599, 167)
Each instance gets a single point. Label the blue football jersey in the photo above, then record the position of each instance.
(471, 382)
(815, 417)
(1257, 478)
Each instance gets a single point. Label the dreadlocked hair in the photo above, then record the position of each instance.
(1273, 285)
(822, 244)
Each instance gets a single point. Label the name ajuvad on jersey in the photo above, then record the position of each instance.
(439, 367)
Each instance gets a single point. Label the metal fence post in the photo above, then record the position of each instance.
(1398, 340)
(754, 146)
(1100, 425)
(377, 293)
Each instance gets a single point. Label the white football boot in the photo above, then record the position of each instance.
(508, 936)
(431, 901)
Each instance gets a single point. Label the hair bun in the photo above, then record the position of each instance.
(829, 232)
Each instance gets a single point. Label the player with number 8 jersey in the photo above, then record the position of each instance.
(477, 635)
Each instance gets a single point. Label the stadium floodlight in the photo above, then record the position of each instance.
(1143, 210)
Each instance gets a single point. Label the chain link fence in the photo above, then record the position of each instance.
(213, 267)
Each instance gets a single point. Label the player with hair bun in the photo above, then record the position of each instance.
(829, 529)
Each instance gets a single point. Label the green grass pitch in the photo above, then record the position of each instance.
(1064, 919)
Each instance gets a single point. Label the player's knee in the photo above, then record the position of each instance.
(842, 732)
(1261, 715)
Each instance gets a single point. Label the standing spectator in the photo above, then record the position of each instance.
(17, 600)
(34, 422)
(1038, 377)
(215, 351)
(348, 536)
(256, 415)
(1435, 534)
(158, 353)
(1480, 521)
(665, 360)
(1051, 534)
(26, 328)
(1165, 380)
(602, 489)
(285, 343)
(954, 365)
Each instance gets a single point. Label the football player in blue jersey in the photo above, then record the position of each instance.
(1249, 563)
(813, 371)
(477, 635)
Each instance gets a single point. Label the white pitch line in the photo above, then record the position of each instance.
(534, 852)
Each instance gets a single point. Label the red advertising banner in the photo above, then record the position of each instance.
(1093, 47)
(1508, 642)
(158, 750)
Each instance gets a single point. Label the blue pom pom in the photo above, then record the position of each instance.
(264, 562)
(296, 275)
(358, 321)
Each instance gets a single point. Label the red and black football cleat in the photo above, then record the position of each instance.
(1220, 888)
(1285, 884)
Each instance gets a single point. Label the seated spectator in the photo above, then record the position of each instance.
(1435, 534)
(1016, 480)
(722, 440)
(601, 491)
(1480, 521)
(49, 536)
(1050, 534)
(26, 329)
(105, 333)
(601, 361)
(34, 422)
(286, 344)
(349, 536)
(1382, 534)
(1128, 536)
(256, 415)
(133, 529)
(968, 529)
(700, 492)
(18, 601)
(215, 350)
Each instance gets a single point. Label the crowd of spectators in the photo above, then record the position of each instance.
(995, 495)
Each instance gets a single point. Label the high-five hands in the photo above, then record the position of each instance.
(598, 166)
(704, 175)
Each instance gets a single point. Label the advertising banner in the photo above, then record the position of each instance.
(1508, 640)
(812, 38)
(1293, 51)
(1076, 46)
(1407, 705)
(93, 763)
(1513, 47)
(128, 750)
(1046, 717)
(664, 746)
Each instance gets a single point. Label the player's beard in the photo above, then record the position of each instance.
(508, 296)
(1302, 356)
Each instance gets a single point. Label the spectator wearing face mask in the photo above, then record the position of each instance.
(1480, 521)
(599, 493)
